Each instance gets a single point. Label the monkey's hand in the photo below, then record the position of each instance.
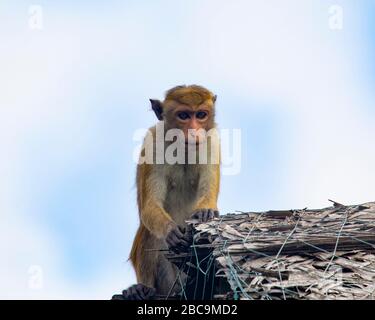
(177, 239)
(204, 215)
(136, 292)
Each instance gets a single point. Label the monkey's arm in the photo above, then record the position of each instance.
(151, 191)
(208, 189)
(206, 207)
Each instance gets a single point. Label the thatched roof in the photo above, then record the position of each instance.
(299, 254)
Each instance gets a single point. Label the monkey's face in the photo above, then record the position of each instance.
(193, 122)
(189, 109)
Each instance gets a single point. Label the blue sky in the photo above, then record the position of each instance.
(74, 93)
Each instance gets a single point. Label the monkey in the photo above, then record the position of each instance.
(169, 194)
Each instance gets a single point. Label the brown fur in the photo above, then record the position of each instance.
(189, 95)
(169, 194)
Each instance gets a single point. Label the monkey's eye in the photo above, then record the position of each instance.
(201, 114)
(183, 115)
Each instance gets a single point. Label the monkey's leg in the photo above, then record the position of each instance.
(169, 278)
(144, 257)
(153, 269)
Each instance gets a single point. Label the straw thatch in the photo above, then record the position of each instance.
(297, 254)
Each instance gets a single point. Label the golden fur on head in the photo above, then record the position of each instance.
(192, 95)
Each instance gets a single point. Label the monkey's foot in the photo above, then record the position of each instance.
(204, 215)
(136, 292)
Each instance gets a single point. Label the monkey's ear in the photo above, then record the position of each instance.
(158, 108)
(214, 98)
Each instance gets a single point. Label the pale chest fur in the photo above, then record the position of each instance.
(181, 195)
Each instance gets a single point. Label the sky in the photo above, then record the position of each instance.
(75, 79)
